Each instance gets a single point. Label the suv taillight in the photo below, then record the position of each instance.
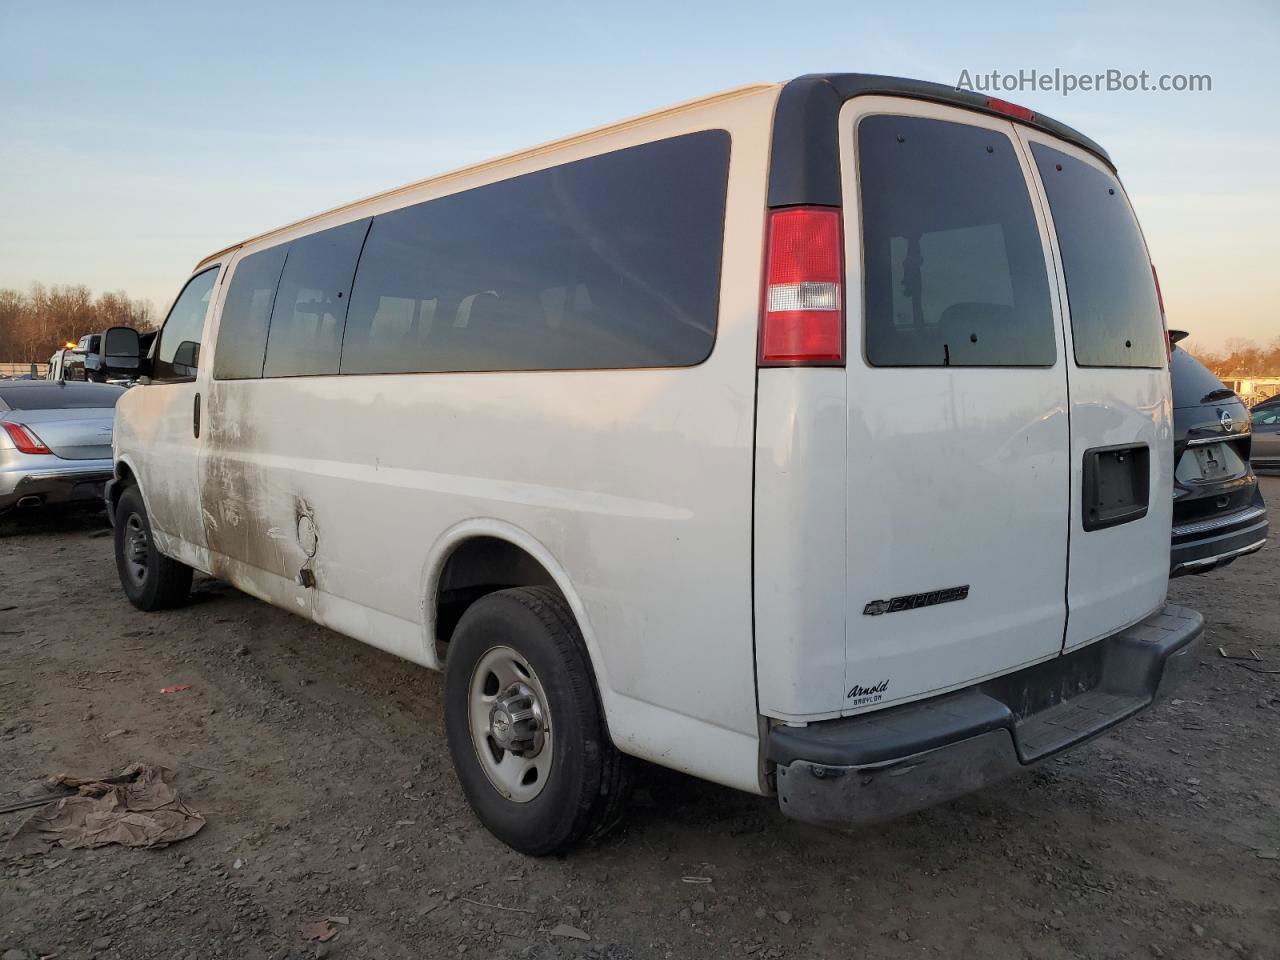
(803, 317)
(24, 438)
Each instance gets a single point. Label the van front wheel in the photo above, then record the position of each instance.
(524, 724)
(151, 580)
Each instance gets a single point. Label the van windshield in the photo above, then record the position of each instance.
(1111, 293)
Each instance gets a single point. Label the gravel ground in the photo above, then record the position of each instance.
(321, 767)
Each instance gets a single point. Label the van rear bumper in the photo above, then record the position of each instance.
(856, 770)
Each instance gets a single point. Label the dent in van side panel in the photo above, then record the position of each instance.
(800, 542)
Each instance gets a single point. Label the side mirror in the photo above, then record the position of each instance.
(121, 352)
(186, 358)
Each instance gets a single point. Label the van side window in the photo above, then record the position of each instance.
(246, 314)
(954, 271)
(178, 353)
(310, 309)
(1111, 293)
(608, 262)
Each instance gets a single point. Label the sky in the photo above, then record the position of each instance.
(137, 138)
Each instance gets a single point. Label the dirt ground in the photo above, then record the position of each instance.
(321, 767)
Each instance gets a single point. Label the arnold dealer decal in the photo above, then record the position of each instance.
(862, 695)
(914, 601)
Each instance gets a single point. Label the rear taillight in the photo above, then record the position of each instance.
(1011, 109)
(24, 438)
(1164, 322)
(803, 318)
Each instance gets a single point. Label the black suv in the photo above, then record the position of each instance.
(1218, 513)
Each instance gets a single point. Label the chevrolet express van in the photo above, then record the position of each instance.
(812, 438)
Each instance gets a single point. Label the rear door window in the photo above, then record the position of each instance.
(310, 309)
(954, 271)
(607, 262)
(1111, 293)
(246, 315)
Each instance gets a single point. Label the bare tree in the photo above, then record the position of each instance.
(36, 323)
(1241, 358)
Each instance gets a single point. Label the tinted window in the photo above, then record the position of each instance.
(612, 261)
(1193, 383)
(1115, 316)
(178, 355)
(310, 309)
(57, 396)
(1266, 417)
(246, 314)
(955, 273)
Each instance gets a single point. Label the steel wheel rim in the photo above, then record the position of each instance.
(137, 548)
(510, 724)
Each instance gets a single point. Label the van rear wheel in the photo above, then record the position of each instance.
(524, 724)
(151, 580)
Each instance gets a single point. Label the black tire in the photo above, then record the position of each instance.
(151, 580)
(584, 794)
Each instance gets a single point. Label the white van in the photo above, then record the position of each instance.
(811, 438)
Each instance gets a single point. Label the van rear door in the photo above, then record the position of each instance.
(1121, 417)
(957, 424)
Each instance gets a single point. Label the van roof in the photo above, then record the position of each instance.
(804, 167)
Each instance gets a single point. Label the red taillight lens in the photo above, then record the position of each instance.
(1010, 109)
(803, 320)
(1168, 344)
(24, 438)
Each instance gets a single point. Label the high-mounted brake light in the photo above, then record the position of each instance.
(1011, 109)
(803, 320)
(24, 438)
(1164, 322)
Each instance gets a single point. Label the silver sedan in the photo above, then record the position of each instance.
(55, 441)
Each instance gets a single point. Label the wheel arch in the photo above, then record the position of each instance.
(124, 474)
(502, 542)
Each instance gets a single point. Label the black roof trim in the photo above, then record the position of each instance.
(805, 164)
